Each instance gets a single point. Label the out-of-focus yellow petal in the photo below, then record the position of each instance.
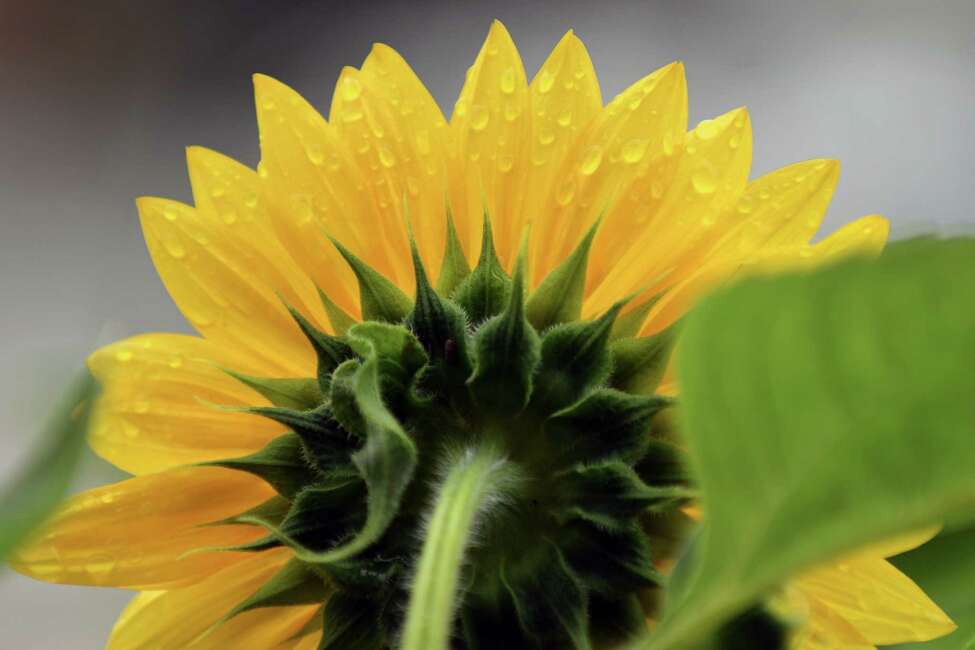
(876, 599)
(399, 138)
(865, 236)
(150, 415)
(637, 133)
(491, 129)
(136, 533)
(314, 188)
(218, 285)
(179, 618)
(694, 210)
(565, 97)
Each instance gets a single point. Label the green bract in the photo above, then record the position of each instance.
(472, 463)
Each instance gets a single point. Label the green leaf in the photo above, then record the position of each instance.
(945, 569)
(329, 350)
(823, 411)
(381, 300)
(454, 268)
(639, 363)
(485, 292)
(558, 299)
(298, 393)
(281, 463)
(341, 321)
(574, 359)
(43, 482)
(550, 601)
(606, 424)
(506, 351)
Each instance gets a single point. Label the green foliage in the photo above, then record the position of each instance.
(43, 482)
(822, 411)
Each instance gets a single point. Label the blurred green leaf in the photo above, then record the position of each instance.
(822, 411)
(42, 484)
(945, 569)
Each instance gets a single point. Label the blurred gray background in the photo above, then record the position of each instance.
(100, 98)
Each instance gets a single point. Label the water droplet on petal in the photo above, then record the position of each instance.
(546, 81)
(505, 162)
(508, 81)
(351, 89)
(634, 149)
(706, 130)
(315, 154)
(546, 134)
(170, 213)
(591, 160)
(480, 116)
(230, 217)
(703, 181)
(565, 118)
(567, 192)
(386, 157)
(123, 355)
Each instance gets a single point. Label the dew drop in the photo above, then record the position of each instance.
(460, 108)
(546, 81)
(565, 118)
(706, 130)
(351, 115)
(229, 218)
(591, 160)
(703, 181)
(175, 362)
(546, 134)
(351, 89)
(668, 144)
(567, 192)
(505, 162)
(511, 111)
(508, 81)
(170, 213)
(479, 117)
(386, 157)
(734, 141)
(315, 154)
(123, 355)
(634, 150)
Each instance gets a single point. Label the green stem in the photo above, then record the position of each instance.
(472, 483)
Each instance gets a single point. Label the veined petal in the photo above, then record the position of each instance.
(398, 137)
(880, 602)
(150, 415)
(314, 188)
(227, 195)
(173, 619)
(695, 210)
(638, 132)
(565, 97)
(136, 533)
(491, 127)
(216, 285)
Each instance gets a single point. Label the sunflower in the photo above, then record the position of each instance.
(390, 290)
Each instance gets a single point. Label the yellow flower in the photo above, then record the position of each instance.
(678, 214)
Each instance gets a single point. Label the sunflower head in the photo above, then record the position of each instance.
(578, 483)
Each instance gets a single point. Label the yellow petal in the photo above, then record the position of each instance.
(866, 236)
(136, 533)
(876, 599)
(490, 127)
(150, 415)
(695, 209)
(174, 619)
(398, 137)
(228, 193)
(637, 133)
(565, 97)
(217, 286)
(314, 188)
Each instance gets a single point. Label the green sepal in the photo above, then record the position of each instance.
(485, 292)
(575, 358)
(609, 561)
(611, 494)
(380, 299)
(398, 354)
(506, 352)
(439, 325)
(323, 514)
(294, 393)
(628, 324)
(606, 424)
(270, 513)
(280, 463)
(342, 398)
(454, 268)
(386, 462)
(352, 623)
(324, 443)
(613, 621)
(294, 584)
(663, 463)
(639, 363)
(550, 601)
(329, 350)
(340, 320)
(558, 299)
